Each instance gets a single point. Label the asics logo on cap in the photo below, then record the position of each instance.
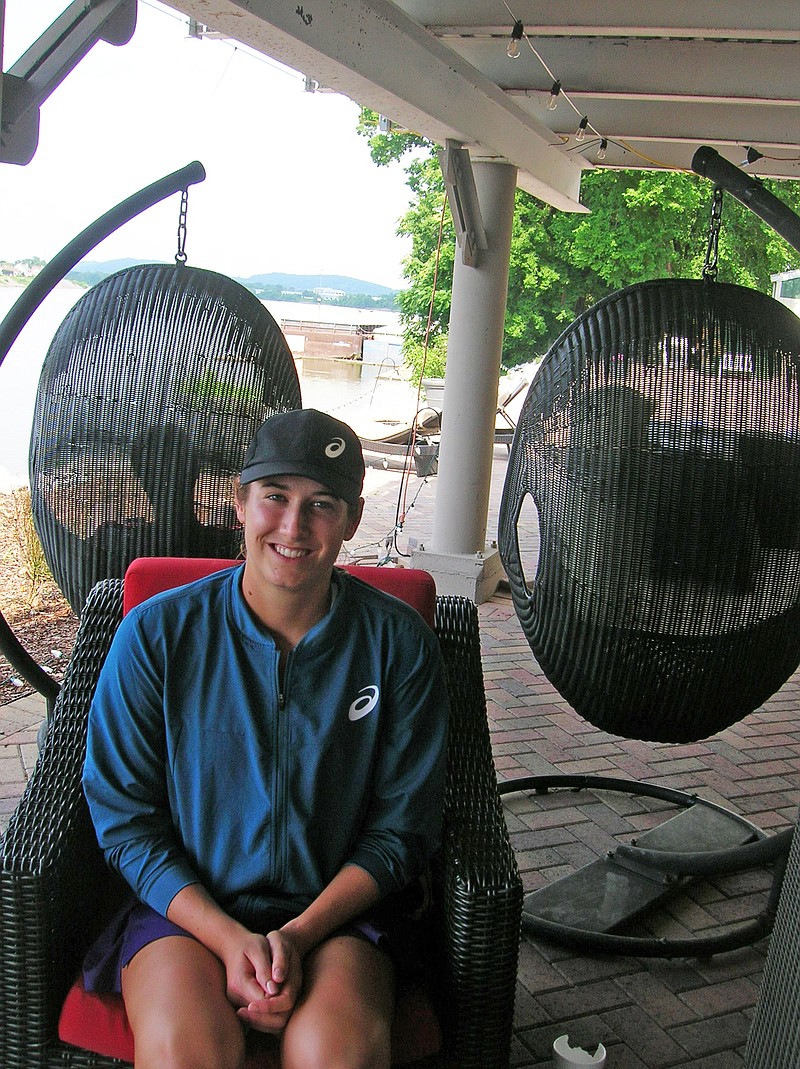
(334, 448)
(365, 702)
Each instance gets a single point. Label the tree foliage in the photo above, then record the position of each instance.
(642, 225)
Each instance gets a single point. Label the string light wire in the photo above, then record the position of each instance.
(402, 508)
(402, 496)
(588, 127)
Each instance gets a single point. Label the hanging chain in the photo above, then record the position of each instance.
(711, 264)
(180, 255)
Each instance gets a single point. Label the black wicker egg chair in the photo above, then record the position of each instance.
(660, 447)
(148, 397)
(150, 392)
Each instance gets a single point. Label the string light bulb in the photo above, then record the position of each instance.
(516, 37)
(601, 152)
(753, 156)
(580, 133)
(552, 103)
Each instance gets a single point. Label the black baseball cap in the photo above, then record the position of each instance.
(309, 443)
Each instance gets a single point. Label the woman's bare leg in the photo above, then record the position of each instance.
(174, 992)
(344, 1016)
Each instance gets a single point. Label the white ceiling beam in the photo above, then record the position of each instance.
(645, 97)
(374, 54)
(648, 121)
(724, 69)
(674, 33)
(677, 155)
(773, 20)
(661, 124)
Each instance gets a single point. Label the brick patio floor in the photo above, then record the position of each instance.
(650, 1013)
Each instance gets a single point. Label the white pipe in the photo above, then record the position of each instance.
(473, 372)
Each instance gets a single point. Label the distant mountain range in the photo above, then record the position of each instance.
(95, 268)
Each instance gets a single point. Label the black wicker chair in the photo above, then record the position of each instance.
(660, 447)
(150, 393)
(53, 882)
(774, 1038)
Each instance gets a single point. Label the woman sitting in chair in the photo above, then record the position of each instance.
(265, 768)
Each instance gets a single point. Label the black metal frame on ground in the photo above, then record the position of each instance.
(581, 909)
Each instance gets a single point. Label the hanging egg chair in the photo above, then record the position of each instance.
(149, 395)
(150, 392)
(657, 455)
(660, 446)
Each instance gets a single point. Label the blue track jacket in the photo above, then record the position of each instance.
(200, 769)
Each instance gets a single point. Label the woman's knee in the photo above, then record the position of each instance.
(174, 992)
(336, 1044)
(174, 1048)
(343, 1020)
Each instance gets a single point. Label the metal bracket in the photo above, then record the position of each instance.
(31, 80)
(463, 199)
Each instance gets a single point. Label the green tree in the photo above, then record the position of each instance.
(654, 224)
(422, 223)
(642, 225)
(429, 266)
(546, 291)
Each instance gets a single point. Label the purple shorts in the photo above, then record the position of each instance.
(132, 927)
(135, 925)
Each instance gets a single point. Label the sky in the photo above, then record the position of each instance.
(289, 184)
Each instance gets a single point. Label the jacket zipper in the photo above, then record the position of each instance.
(282, 779)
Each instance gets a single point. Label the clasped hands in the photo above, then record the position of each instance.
(264, 976)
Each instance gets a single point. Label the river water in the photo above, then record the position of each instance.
(372, 389)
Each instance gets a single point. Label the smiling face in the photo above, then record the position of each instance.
(293, 530)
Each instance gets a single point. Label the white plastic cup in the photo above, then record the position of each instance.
(567, 1057)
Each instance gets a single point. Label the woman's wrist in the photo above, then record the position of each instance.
(302, 940)
(194, 909)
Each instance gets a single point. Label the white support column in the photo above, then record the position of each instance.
(459, 558)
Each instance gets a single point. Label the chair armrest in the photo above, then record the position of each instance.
(482, 888)
(53, 880)
(774, 1038)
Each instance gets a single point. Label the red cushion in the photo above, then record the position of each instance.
(147, 576)
(96, 1022)
(99, 1023)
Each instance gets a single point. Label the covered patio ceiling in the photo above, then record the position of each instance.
(649, 83)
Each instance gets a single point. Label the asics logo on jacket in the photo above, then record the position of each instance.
(365, 702)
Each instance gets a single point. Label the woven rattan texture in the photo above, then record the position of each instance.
(150, 392)
(774, 1038)
(52, 879)
(659, 446)
(54, 884)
